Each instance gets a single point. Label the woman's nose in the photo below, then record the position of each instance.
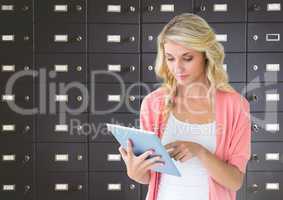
(178, 66)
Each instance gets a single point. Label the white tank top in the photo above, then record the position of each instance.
(193, 183)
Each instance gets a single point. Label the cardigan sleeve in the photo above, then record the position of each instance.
(240, 145)
(145, 115)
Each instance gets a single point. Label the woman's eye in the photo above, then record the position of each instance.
(187, 59)
(170, 59)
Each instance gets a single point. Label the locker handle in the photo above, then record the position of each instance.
(27, 188)
(150, 8)
(132, 186)
(132, 9)
(253, 97)
(255, 7)
(255, 127)
(26, 159)
(132, 98)
(254, 157)
(254, 188)
(25, 8)
(79, 8)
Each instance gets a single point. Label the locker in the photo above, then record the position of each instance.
(235, 65)
(264, 67)
(105, 157)
(17, 186)
(14, 38)
(100, 132)
(62, 157)
(61, 38)
(149, 36)
(266, 156)
(114, 11)
(263, 185)
(16, 128)
(144, 190)
(113, 185)
(266, 126)
(264, 11)
(231, 36)
(22, 66)
(240, 88)
(61, 128)
(19, 99)
(61, 68)
(62, 11)
(15, 11)
(264, 37)
(221, 11)
(58, 98)
(265, 97)
(113, 38)
(241, 193)
(64, 186)
(148, 66)
(18, 158)
(104, 68)
(110, 98)
(164, 10)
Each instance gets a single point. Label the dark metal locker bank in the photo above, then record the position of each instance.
(55, 144)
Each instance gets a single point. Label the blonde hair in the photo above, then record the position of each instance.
(193, 32)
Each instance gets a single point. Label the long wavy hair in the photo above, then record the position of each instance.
(193, 32)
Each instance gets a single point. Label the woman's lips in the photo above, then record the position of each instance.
(182, 76)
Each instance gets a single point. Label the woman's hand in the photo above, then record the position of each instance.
(138, 166)
(183, 150)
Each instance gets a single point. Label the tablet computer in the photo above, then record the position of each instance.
(143, 141)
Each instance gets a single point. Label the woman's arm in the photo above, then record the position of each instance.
(223, 173)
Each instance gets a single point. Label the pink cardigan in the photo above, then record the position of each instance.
(233, 135)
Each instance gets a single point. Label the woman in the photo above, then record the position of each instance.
(202, 121)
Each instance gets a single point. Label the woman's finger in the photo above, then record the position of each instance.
(153, 165)
(185, 158)
(174, 152)
(179, 155)
(130, 153)
(147, 163)
(146, 154)
(123, 152)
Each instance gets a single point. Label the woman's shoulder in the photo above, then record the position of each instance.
(154, 100)
(158, 93)
(233, 98)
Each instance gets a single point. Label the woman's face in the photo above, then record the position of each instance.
(186, 65)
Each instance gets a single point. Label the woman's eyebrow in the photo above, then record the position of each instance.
(184, 54)
(187, 53)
